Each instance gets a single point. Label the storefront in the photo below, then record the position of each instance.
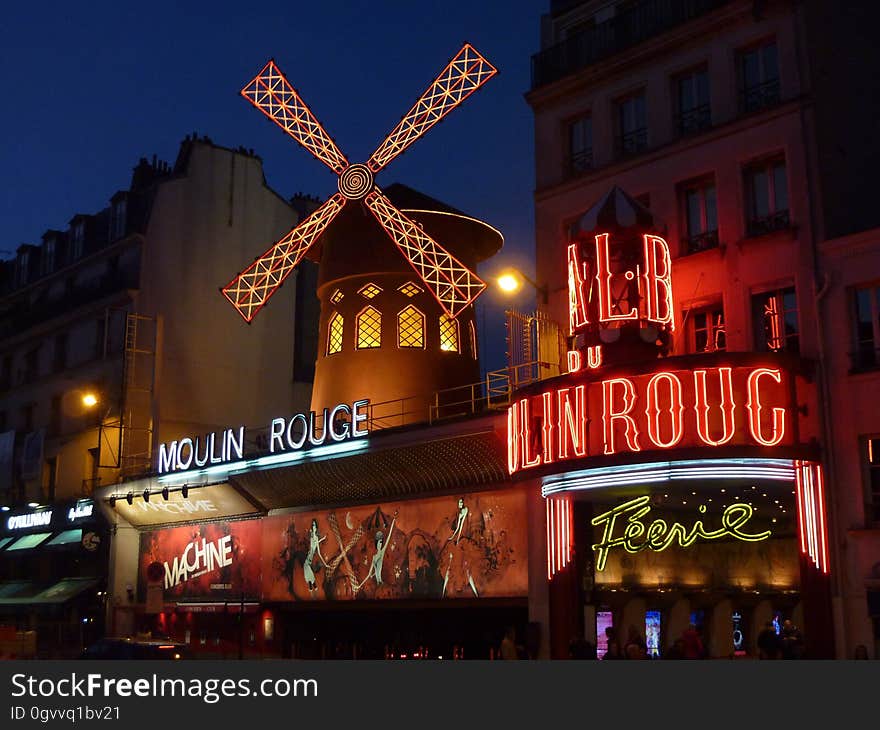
(292, 559)
(54, 563)
(683, 494)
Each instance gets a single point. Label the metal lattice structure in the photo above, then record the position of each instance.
(450, 281)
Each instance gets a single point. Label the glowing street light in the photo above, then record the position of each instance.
(90, 400)
(511, 281)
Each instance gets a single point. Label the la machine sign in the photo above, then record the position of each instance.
(335, 425)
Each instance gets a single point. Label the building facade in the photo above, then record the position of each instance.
(111, 345)
(725, 121)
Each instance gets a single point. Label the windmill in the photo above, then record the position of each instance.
(451, 282)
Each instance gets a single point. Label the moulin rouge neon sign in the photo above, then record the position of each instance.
(671, 408)
(659, 535)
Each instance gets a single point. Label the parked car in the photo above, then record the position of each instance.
(129, 648)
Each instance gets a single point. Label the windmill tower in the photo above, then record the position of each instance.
(397, 317)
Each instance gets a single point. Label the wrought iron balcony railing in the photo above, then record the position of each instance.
(760, 96)
(631, 143)
(637, 24)
(777, 221)
(692, 121)
(701, 242)
(579, 163)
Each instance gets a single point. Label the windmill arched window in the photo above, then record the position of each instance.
(334, 334)
(449, 340)
(473, 333)
(369, 328)
(410, 328)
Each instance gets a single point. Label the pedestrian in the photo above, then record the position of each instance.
(693, 644)
(676, 651)
(508, 644)
(792, 641)
(769, 645)
(635, 645)
(613, 651)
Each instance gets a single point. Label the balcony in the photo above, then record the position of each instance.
(579, 163)
(693, 121)
(631, 143)
(777, 221)
(760, 96)
(701, 242)
(637, 24)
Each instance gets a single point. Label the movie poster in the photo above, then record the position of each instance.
(215, 561)
(466, 546)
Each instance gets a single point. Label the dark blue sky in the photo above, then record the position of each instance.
(90, 87)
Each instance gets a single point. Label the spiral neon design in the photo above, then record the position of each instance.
(356, 181)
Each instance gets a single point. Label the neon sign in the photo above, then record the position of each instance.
(667, 409)
(604, 296)
(341, 423)
(636, 536)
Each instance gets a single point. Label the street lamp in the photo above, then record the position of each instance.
(89, 399)
(511, 281)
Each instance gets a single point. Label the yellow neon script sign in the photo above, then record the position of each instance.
(659, 535)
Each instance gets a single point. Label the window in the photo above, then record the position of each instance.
(32, 365)
(867, 327)
(369, 291)
(100, 329)
(119, 215)
(632, 130)
(336, 297)
(77, 240)
(707, 330)
(700, 215)
(51, 481)
(776, 321)
(60, 355)
(27, 417)
(473, 333)
(410, 328)
(758, 69)
(693, 113)
(49, 256)
(369, 329)
(55, 416)
(580, 145)
(872, 491)
(334, 334)
(6, 373)
(448, 333)
(409, 289)
(766, 197)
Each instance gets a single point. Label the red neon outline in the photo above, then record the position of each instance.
(526, 432)
(577, 294)
(575, 361)
(823, 531)
(727, 406)
(609, 416)
(547, 428)
(654, 281)
(603, 278)
(513, 438)
(675, 410)
(754, 407)
(594, 356)
(572, 423)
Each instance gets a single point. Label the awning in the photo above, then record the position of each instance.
(24, 593)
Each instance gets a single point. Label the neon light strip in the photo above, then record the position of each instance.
(670, 471)
(823, 534)
(287, 457)
(549, 539)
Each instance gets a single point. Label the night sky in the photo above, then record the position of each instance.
(91, 87)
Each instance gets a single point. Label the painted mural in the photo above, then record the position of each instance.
(467, 546)
(462, 546)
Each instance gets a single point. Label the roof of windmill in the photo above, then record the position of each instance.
(407, 198)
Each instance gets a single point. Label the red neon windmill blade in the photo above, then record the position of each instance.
(452, 283)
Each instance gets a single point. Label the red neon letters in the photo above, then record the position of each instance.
(662, 410)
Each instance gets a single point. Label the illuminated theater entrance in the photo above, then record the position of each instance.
(695, 557)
